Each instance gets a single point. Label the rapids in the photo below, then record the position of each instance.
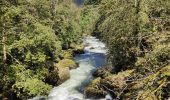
(93, 58)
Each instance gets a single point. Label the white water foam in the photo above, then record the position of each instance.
(94, 57)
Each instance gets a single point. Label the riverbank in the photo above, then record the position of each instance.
(93, 58)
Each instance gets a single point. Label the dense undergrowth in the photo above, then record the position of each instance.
(38, 40)
(137, 34)
(40, 37)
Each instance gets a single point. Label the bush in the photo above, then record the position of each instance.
(30, 88)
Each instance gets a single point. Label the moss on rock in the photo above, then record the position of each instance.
(77, 48)
(102, 72)
(63, 74)
(63, 70)
(113, 83)
(94, 90)
(67, 63)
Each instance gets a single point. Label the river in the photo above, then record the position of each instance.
(79, 2)
(93, 58)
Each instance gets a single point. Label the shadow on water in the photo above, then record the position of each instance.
(98, 59)
(79, 2)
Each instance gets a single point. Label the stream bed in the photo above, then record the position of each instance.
(93, 58)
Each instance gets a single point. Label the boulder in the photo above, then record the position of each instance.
(52, 78)
(94, 90)
(77, 48)
(67, 63)
(116, 82)
(59, 74)
(63, 74)
(92, 48)
(63, 69)
(112, 84)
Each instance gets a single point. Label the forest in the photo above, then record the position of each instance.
(40, 38)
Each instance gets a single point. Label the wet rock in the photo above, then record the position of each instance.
(116, 82)
(52, 78)
(73, 98)
(63, 74)
(108, 97)
(92, 48)
(113, 84)
(102, 72)
(87, 44)
(63, 69)
(77, 48)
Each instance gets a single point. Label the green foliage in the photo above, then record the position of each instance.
(153, 85)
(30, 88)
(94, 2)
(112, 83)
(66, 24)
(116, 26)
(89, 16)
(137, 35)
(35, 35)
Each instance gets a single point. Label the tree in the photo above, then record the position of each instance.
(136, 33)
(34, 37)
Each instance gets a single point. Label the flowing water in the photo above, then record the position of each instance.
(93, 58)
(79, 2)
